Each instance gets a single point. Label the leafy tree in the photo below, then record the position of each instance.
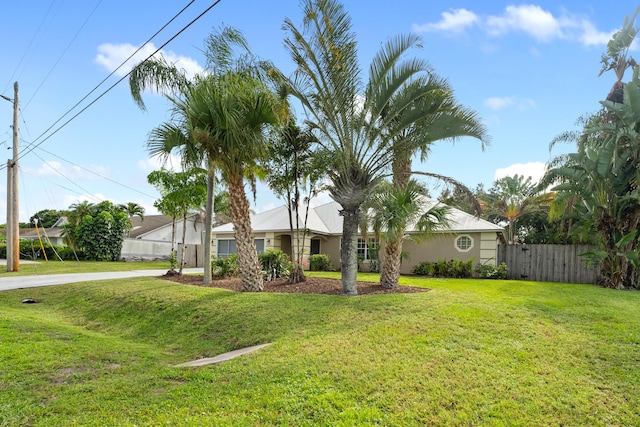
(354, 120)
(182, 193)
(101, 233)
(459, 199)
(511, 199)
(46, 217)
(294, 170)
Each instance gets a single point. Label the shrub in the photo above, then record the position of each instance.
(225, 266)
(487, 271)
(425, 268)
(30, 249)
(320, 262)
(445, 268)
(275, 263)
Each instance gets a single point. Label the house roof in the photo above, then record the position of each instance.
(326, 219)
(148, 224)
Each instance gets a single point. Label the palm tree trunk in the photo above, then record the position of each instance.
(184, 243)
(250, 268)
(173, 244)
(390, 267)
(208, 219)
(349, 256)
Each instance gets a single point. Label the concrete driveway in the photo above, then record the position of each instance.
(19, 282)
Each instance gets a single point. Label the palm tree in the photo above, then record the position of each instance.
(132, 209)
(227, 115)
(352, 119)
(392, 210)
(159, 75)
(512, 198)
(441, 119)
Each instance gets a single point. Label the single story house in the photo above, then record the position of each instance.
(150, 238)
(468, 237)
(52, 234)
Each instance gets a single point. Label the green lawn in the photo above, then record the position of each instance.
(60, 267)
(469, 352)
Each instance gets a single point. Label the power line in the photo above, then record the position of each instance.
(29, 147)
(29, 46)
(95, 173)
(63, 53)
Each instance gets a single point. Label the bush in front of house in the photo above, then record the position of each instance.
(30, 249)
(425, 268)
(225, 266)
(487, 271)
(275, 264)
(445, 268)
(320, 262)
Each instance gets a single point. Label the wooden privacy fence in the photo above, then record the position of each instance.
(548, 263)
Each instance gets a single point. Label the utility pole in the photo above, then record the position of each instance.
(13, 207)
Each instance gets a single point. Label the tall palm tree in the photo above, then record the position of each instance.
(352, 119)
(228, 115)
(159, 75)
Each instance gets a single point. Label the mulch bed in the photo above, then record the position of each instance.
(313, 285)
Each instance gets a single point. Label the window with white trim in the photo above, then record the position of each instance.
(464, 243)
(368, 249)
(226, 247)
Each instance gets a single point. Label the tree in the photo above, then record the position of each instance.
(603, 174)
(228, 115)
(352, 119)
(47, 217)
(182, 193)
(132, 209)
(512, 198)
(294, 170)
(392, 210)
(101, 232)
(157, 74)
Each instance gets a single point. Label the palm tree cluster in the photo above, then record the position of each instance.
(364, 129)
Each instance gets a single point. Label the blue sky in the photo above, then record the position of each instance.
(528, 69)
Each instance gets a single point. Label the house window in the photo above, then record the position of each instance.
(464, 243)
(368, 249)
(226, 247)
(315, 246)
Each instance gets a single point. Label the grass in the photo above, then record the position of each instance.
(470, 352)
(60, 267)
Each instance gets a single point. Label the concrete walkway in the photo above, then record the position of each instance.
(19, 282)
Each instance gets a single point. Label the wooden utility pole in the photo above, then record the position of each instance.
(13, 207)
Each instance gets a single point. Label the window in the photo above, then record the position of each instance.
(464, 243)
(315, 246)
(226, 247)
(368, 250)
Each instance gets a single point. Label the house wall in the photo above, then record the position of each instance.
(194, 236)
(135, 249)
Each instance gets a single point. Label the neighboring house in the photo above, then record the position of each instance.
(151, 238)
(468, 237)
(52, 234)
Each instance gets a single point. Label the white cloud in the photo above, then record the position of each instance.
(454, 21)
(533, 169)
(499, 103)
(592, 37)
(531, 19)
(110, 56)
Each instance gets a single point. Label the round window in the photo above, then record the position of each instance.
(464, 243)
